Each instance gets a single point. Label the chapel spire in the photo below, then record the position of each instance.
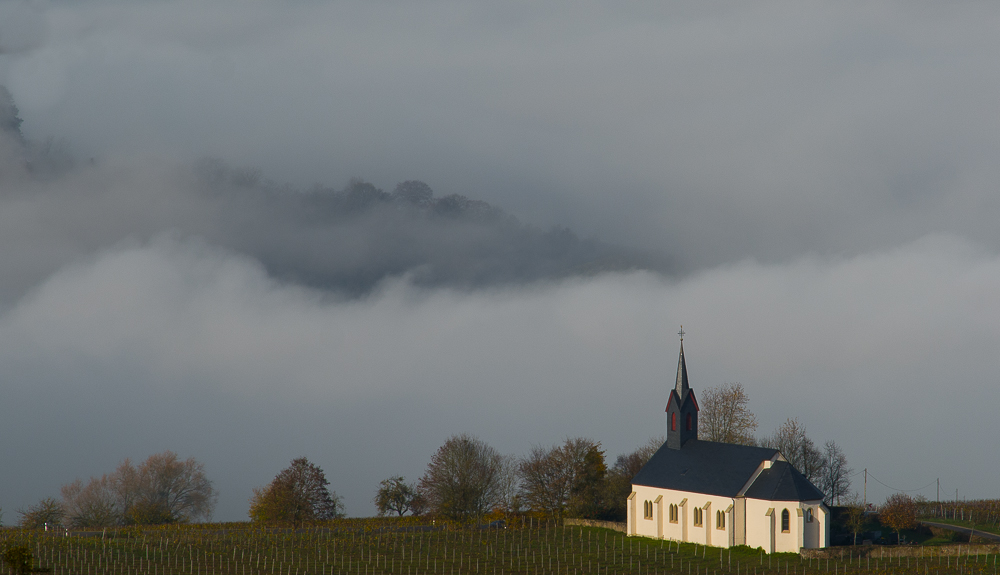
(682, 407)
(682, 373)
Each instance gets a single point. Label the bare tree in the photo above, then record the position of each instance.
(297, 495)
(92, 505)
(545, 481)
(178, 489)
(394, 495)
(551, 478)
(47, 511)
(509, 491)
(126, 483)
(464, 478)
(163, 489)
(856, 518)
(725, 416)
(791, 440)
(835, 480)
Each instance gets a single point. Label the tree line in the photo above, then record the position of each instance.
(466, 477)
(464, 480)
(162, 489)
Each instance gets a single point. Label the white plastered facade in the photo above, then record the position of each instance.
(685, 527)
(807, 520)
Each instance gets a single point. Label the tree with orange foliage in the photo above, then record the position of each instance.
(898, 512)
(297, 495)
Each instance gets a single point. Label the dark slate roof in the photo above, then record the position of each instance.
(782, 482)
(703, 467)
(682, 387)
(682, 384)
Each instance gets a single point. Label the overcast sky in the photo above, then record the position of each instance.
(824, 173)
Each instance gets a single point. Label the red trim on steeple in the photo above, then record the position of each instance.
(673, 398)
(695, 400)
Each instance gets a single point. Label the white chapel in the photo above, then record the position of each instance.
(722, 494)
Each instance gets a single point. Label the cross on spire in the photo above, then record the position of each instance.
(681, 333)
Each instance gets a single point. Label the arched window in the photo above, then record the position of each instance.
(699, 519)
(673, 513)
(784, 521)
(720, 519)
(648, 509)
(809, 515)
(689, 422)
(673, 421)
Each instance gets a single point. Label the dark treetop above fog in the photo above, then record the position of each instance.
(345, 241)
(348, 240)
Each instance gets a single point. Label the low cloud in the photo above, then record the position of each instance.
(715, 132)
(54, 210)
(174, 344)
(816, 183)
(22, 26)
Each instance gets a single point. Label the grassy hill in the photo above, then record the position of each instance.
(408, 546)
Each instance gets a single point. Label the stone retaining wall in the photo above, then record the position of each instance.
(595, 523)
(882, 551)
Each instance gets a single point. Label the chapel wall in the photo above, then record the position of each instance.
(760, 526)
(684, 529)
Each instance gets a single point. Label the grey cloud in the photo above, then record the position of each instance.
(344, 241)
(175, 344)
(823, 175)
(714, 133)
(22, 26)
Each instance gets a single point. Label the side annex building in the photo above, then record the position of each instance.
(721, 494)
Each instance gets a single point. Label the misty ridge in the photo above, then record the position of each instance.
(345, 241)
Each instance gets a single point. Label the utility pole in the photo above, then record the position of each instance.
(939, 495)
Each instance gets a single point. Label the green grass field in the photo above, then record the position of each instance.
(376, 546)
(984, 527)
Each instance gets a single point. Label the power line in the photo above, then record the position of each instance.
(898, 489)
